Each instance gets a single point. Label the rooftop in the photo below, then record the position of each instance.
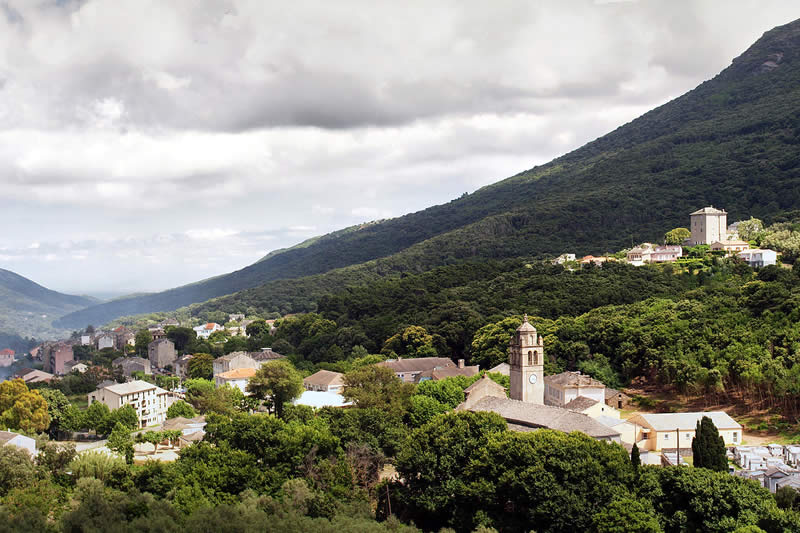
(710, 210)
(573, 379)
(544, 416)
(420, 364)
(324, 378)
(238, 373)
(266, 354)
(6, 436)
(131, 387)
(526, 326)
(673, 421)
(581, 403)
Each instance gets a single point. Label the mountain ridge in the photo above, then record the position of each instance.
(731, 142)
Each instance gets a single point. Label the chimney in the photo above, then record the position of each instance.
(460, 363)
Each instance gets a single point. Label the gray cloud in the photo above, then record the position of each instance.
(126, 128)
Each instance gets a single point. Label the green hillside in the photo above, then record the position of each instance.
(28, 309)
(732, 142)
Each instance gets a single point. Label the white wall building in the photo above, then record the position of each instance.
(238, 377)
(708, 225)
(205, 331)
(9, 438)
(758, 257)
(151, 402)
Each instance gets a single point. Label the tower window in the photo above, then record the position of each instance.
(530, 358)
(535, 357)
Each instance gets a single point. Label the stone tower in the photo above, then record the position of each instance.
(527, 365)
(708, 225)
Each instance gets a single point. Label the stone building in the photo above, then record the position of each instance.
(527, 365)
(708, 225)
(161, 353)
(129, 365)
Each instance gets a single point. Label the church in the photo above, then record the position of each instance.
(526, 409)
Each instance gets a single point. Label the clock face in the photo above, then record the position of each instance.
(532, 378)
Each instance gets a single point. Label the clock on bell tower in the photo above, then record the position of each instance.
(527, 365)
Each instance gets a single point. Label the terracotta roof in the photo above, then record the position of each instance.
(544, 416)
(573, 379)
(581, 403)
(238, 373)
(182, 423)
(419, 364)
(7, 351)
(323, 378)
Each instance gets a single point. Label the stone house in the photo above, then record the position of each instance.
(129, 365)
(181, 366)
(408, 369)
(561, 389)
(234, 360)
(161, 353)
(436, 374)
(708, 225)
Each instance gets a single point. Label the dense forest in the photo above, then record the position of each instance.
(731, 142)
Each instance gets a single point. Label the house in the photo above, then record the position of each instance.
(502, 368)
(9, 438)
(161, 353)
(86, 340)
(129, 365)
(617, 399)
(650, 253)
(30, 375)
(708, 225)
(759, 257)
(157, 333)
(563, 258)
(731, 247)
(234, 360)
(105, 341)
(235, 317)
(7, 357)
(205, 331)
(587, 259)
(265, 355)
(187, 426)
(75, 366)
(448, 372)
(55, 356)
(408, 369)
(676, 430)
(525, 410)
(238, 377)
(181, 366)
(325, 381)
(561, 389)
(320, 399)
(123, 337)
(150, 402)
(591, 407)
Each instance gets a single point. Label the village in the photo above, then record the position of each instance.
(569, 401)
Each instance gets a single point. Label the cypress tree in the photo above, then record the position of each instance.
(636, 461)
(708, 448)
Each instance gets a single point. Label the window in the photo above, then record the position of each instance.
(530, 358)
(735, 436)
(666, 436)
(688, 435)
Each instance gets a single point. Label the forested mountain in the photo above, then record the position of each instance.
(733, 142)
(27, 308)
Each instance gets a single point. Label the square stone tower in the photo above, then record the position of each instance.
(708, 225)
(527, 365)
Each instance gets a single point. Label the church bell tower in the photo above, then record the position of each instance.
(527, 365)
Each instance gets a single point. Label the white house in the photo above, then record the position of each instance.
(150, 402)
(758, 257)
(9, 438)
(105, 341)
(676, 430)
(238, 377)
(205, 331)
(561, 389)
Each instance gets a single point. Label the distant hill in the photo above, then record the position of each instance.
(732, 142)
(28, 309)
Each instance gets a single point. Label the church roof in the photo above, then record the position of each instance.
(419, 364)
(581, 403)
(526, 326)
(573, 379)
(710, 210)
(544, 416)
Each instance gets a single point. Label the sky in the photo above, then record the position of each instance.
(149, 144)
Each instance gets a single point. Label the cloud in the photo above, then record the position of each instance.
(179, 140)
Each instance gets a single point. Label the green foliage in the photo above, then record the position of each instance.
(276, 382)
(677, 236)
(206, 398)
(98, 465)
(22, 409)
(377, 386)
(750, 230)
(201, 366)
(626, 515)
(120, 441)
(413, 341)
(16, 468)
(181, 408)
(708, 447)
(636, 460)
(142, 339)
(424, 409)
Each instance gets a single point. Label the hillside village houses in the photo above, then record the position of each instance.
(204, 331)
(149, 401)
(7, 357)
(161, 353)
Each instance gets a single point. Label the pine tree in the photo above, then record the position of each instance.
(708, 448)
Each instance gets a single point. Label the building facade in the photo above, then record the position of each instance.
(161, 353)
(55, 356)
(708, 225)
(561, 389)
(676, 430)
(238, 377)
(324, 381)
(6, 357)
(759, 258)
(150, 402)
